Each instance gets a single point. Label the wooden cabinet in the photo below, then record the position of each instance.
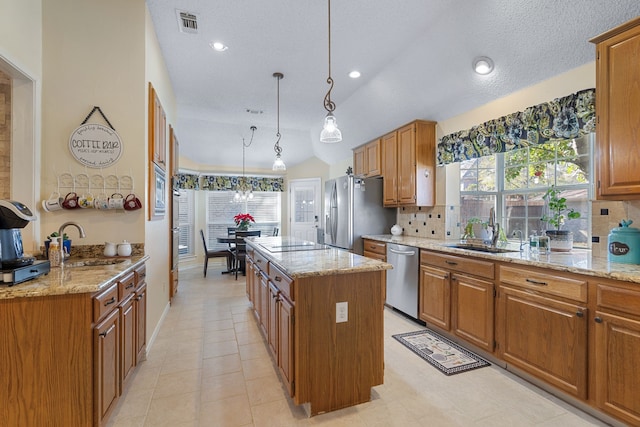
(472, 310)
(374, 249)
(73, 374)
(286, 343)
(119, 338)
(434, 306)
(618, 112)
(408, 165)
(617, 346)
(544, 326)
(457, 295)
(107, 366)
(390, 169)
(272, 330)
(367, 160)
(141, 312)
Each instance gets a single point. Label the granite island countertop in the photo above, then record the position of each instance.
(76, 277)
(299, 258)
(578, 261)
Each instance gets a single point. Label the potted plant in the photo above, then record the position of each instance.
(243, 221)
(66, 243)
(558, 213)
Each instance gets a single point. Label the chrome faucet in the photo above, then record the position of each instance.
(522, 242)
(61, 234)
(495, 227)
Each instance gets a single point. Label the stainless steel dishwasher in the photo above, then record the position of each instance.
(402, 280)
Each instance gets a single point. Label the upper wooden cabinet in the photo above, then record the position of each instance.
(409, 172)
(618, 112)
(367, 160)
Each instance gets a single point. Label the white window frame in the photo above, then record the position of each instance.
(187, 225)
(500, 192)
(216, 224)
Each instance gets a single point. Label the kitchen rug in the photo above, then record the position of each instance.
(443, 354)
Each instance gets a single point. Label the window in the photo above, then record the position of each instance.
(186, 222)
(264, 207)
(514, 182)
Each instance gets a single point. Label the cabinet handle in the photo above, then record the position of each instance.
(109, 302)
(129, 287)
(580, 314)
(107, 332)
(535, 282)
(259, 261)
(453, 278)
(451, 262)
(446, 276)
(278, 279)
(598, 319)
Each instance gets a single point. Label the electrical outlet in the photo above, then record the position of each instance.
(342, 312)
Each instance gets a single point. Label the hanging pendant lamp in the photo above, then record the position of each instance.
(330, 132)
(278, 164)
(244, 189)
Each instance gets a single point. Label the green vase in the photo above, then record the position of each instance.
(243, 226)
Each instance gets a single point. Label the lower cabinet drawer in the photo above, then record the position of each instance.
(476, 267)
(544, 282)
(374, 247)
(282, 281)
(105, 302)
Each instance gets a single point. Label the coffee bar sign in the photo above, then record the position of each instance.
(95, 146)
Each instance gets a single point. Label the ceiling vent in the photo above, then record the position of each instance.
(187, 22)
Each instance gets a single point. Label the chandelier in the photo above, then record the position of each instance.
(330, 132)
(278, 164)
(244, 189)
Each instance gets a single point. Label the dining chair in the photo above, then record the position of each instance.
(218, 252)
(240, 250)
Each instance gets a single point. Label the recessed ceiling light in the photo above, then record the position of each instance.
(483, 65)
(219, 47)
(354, 74)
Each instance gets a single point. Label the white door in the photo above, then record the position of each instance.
(304, 208)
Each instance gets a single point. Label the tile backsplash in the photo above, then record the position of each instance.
(438, 222)
(607, 215)
(443, 222)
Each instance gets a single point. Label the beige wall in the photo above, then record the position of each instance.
(21, 35)
(93, 55)
(157, 233)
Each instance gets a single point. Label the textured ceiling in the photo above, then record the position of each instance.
(414, 55)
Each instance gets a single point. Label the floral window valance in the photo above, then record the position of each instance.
(230, 183)
(563, 118)
(187, 181)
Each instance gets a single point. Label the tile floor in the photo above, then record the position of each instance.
(209, 366)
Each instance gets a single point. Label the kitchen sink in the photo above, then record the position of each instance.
(481, 248)
(93, 262)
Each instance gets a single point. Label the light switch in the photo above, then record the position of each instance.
(342, 312)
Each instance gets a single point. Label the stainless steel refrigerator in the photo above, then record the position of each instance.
(353, 208)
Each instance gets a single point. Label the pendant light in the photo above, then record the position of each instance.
(330, 132)
(244, 189)
(278, 164)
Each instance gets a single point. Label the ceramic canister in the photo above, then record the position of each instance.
(624, 244)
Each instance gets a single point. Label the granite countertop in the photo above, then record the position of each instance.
(577, 261)
(299, 258)
(76, 277)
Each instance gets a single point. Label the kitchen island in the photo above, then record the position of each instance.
(321, 311)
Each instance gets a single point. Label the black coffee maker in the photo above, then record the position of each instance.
(14, 265)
